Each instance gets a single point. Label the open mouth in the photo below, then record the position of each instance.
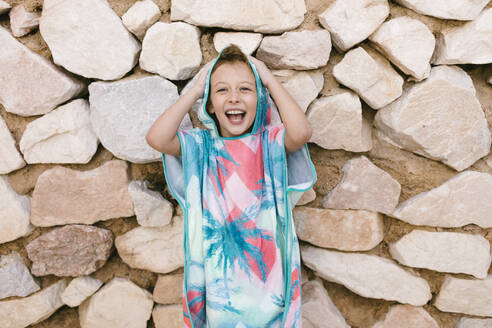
(235, 116)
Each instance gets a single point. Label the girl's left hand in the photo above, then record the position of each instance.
(263, 71)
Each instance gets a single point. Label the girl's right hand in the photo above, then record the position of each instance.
(199, 85)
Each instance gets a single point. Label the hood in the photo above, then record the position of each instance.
(263, 115)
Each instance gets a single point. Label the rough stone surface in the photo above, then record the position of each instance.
(468, 296)
(352, 21)
(363, 274)
(88, 38)
(168, 316)
(427, 121)
(346, 230)
(247, 42)
(307, 197)
(474, 323)
(171, 50)
(79, 289)
(265, 16)
(4, 7)
(151, 209)
(10, 158)
(304, 87)
(140, 17)
(370, 75)
(15, 278)
(72, 250)
(466, 44)
(32, 309)
(461, 200)
(14, 213)
(408, 43)
(119, 303)
(407, 316)
(64, 135)
(22, 21)
(63, 196)
(30, 84)
(130, 108)
(169, 289)
(296, 50)
(452, 252)
(154, 249)
(364, 186)
(337, 123)
(318, 310)
(447, 9)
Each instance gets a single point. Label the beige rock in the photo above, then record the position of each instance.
(168, 316)
(345, 230)
(151, 209)
(447, 9)
(64, 196)
(370, 75)
(426, 120)
(407, 316)
(352, 21)
(461, 200)
(265, 16)
(364, 186)
(474, 323)
(64, 135)
(32, 309)
(408, 43)
(337, 123)
(88, 38)
(15, 278)
(169, 289)
(452, 252)
(318, 311)
(140, 17)
(171, 50)
(10, 158)
(22, 21)
(79, 289)
(247, 42)
(14, 213)
(4, 7)
(30, 84)
(71, 250)
(303, 86)
(307, 197)
(466, 44)
(468, 296)
(296, 50)
(157, 249)
(119, 303)
(367, 275)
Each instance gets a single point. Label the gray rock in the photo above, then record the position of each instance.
(30, 84)
(129, 108)
(10, 158)
(72, 250)
(15, 278)
(88, 38)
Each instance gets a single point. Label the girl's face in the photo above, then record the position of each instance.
(233, 98)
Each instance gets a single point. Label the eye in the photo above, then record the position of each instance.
(245, 89)
(221, 90)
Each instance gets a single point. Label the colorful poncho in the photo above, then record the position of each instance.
(242, 264)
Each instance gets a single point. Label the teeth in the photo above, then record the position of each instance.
(232, 112)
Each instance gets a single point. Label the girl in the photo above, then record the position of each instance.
(237, 181)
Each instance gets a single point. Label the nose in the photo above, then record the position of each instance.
(234, 96)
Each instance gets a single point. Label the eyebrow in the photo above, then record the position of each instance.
(218, 82)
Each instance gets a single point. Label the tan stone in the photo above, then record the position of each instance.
(447, 9)
(22, 21)
(151, 209)
(468, 296)
(10, 158)
(168, 316)
(337, 123)
(140, 17)
(307, 197)
(64, 196)
(346, 230)
(407, 316)
(364, 186)
(79, 289)
(474, 323)
(247, 42)
(367, 275)
(169, 289)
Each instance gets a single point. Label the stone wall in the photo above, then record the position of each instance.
(395, 233)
